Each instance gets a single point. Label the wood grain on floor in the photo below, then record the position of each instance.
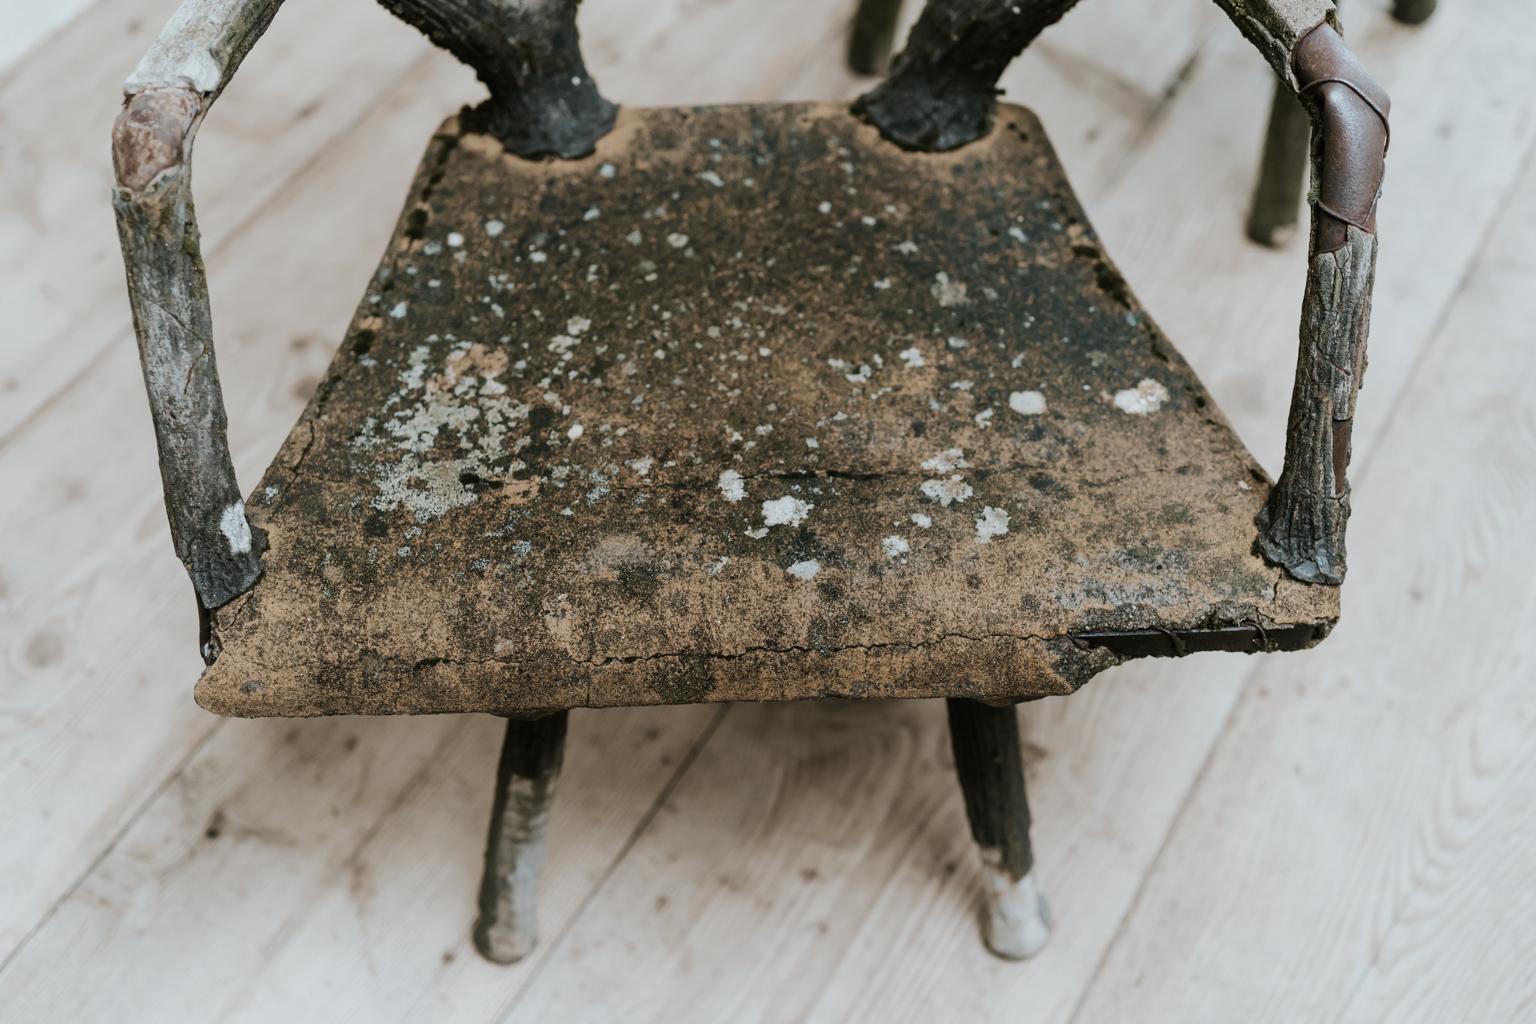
(1340, 835)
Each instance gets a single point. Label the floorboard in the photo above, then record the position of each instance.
(1341, 834)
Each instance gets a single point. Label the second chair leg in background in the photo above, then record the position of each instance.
(872, 35)
(985, 740)
(1413, 12)
(1282, 171)
(531, 755)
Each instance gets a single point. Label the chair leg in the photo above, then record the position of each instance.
(531, 754)
(872, 35)
(986, 745)
(1282, 171)
(1413, 12)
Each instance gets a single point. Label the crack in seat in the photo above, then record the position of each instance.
(749, 404)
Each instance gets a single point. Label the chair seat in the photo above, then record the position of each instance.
(748, 405)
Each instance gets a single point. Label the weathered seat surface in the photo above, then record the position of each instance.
(750, 404)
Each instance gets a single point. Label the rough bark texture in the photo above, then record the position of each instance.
(531, 755)
(1302, 526)
(942, 90)
(202, 45)
(751, 405)
(527, 52)
(167, 97)
(1282, 170)
(872, 34)
(1276, 26)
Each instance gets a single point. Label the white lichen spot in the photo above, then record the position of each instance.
(948, 292)
(713, 178)
(946, 461)
(908, 247)
(957, 343)
(677, 240)
(1144, 399)
(1027, 403)
(642, 466)
(993, 522)
(805, 570)
(786, 511)
(894, 546)
(824, 207)
(454, 240)
(494, 227)
(577, 325)
(812, 443)
(920, 520)
(1017, 234)
(984, 418)
(236, 529)
(759, 533)
(883, 284)
(946, 492)
(607, 170)
(714, 568)
(401, 308)
(592, 213)
(913, 358)
(575, 432)
(732, 486)
(537, 256)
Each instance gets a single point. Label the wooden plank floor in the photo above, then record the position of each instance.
(1348, 834)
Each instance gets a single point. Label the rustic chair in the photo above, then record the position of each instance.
(766, 402)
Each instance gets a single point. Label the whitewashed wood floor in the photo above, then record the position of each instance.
(1347, 834)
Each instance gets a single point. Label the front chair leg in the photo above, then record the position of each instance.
(531, 755)
(987, 760)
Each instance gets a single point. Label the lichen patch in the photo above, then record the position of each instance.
(946, 461)
(1027, 403)
(786, 511)
(236, 529)
(946, 492)
(948, 292)
(732, 486)
(1144, 399)
(993, 522)
(805, 570)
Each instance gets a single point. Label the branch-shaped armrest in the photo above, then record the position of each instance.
(1301, 527)
(167, 96)
(542, 103)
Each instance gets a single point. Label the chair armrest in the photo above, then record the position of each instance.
(1301, 526)
(166, 98)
